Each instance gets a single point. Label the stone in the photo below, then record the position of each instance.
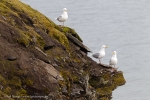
(78, 43)
(11, 58)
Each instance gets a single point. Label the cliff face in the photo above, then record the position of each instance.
(39, 59)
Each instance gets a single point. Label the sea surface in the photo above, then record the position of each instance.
(123, 25)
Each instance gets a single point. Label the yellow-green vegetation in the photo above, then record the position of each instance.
(59, 36)
(28, 81)
(23, 38)
(3, 96)
(2, 80)
(28, 26)
(11, 84)
(69, 79)
(23, 18)
(107, 83)
(72, 32)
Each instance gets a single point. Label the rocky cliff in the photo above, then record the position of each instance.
(40, 60)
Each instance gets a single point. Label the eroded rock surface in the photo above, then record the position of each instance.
(40, 58)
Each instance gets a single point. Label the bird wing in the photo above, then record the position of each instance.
(60, 17)
(96, 55)
(110, 62)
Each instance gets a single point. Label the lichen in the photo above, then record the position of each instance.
(71, 31)
(25, 20)
(106, 83)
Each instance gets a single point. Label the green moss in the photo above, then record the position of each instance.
(15, 8)
(23, 39)
(40, 41)
(7, 90)
(71, 31)
(11, 83)
(23, 91)
(104, 91)
(119, 79)
(94, 81)
(4, 10)
(59, 36)
(68, 75)
(28, 81)
(15, 81)
(106, 83)
(31, 33)
(69, 79)
(2, 80)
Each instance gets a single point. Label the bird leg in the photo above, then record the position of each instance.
(99, 61)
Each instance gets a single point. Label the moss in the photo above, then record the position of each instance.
(106, 83)
(23, 91)
(93, 82)
(7, 90)
(70, 31)
(59, 36)
(11, 83)
(15, 81)
(16, 8)
(69, 79)
(28, 82)
(119, 79)
(104, 91)
(23, 39)
(2, 81)
(31, 33)
(67, 74)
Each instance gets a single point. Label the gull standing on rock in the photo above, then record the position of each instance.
(101, 53)
(113, 60)
(63, 17)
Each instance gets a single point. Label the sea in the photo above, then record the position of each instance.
(122, 25)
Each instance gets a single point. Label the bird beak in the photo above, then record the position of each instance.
(113, 53)
(106, 46)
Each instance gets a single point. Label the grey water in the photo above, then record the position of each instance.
(122, 25)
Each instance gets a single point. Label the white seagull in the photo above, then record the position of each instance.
(101, 53)
(63, 17)
(113, 60)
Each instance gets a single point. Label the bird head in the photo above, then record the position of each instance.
(104, 46)
(65, 9)
(114, 53)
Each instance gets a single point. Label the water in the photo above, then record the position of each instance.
(123, 25)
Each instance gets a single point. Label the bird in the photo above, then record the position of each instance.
(62, 18)
(113, 60)
(101, 53)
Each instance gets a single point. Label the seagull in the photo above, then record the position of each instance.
(101, 53)
(113, 60)
(62, 18)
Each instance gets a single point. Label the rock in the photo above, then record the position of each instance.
(38, 53)
(78, 43)
(48, 43)
(11, 58)
(37, 48)
(53, 72)
(76, 90)
(64, 90)
(48, 47)
(34, 70)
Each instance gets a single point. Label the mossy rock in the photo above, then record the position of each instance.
(72, 32)
(59, 36)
